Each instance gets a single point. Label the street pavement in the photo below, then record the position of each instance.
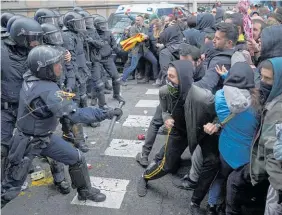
(116, 173)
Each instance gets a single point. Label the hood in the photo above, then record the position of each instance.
(277, 69)
(241, 75)
(271, 42)
(185, 72)
(170, 35)
(204, 20)
(219, 15)
(237, 100)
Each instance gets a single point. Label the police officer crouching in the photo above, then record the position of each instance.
(41, 104)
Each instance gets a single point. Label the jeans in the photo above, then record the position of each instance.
(134, 62)
(219, 183)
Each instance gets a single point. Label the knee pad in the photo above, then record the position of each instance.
(56, 167)
(99, 86)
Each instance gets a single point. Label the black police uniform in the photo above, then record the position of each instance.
(41, 104)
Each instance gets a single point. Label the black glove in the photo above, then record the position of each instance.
(68, 89)
(115, 112)
(279, 196)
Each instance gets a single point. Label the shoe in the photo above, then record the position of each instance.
(95, 124)
(82, 147)
(163, 130)
(131, 78)
(69, 137)
(142, 187)
(158, 83)
(107, 91)
(91, 194)
(195, 209)
(142, 160)
(119, 98)
(211, 210)
(63, 187)
(143, 81)
(185, 183)
(122, 83)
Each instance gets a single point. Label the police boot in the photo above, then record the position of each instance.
(116, 89)
(80, 179)
(79, 141)
(83, 101)
(58, 172)
(69, 137)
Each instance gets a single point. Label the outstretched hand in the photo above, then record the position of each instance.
(221, 71)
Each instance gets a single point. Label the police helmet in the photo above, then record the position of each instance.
(60, 18)
(101, 23)
(89, 20)
(41, 61)
(78, 9)
(4, 20)
(11, 21)
(46, 16)
(51, 34)
(26, 32)
(74, 21)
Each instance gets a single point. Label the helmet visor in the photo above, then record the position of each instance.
(79, 24)
(54, 20)
(89, 22)
(59, 59)
(33, 39)
(53, 38)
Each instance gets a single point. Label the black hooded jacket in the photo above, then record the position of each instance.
(171, 38)
(172, 106)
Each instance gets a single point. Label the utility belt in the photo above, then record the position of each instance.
(8, 105)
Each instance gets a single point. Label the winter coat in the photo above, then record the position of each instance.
(263, 164)
(140, 47)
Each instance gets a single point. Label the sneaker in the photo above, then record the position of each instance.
(185, 183)
(158, 83)
(142, 187)
(211, 210)
(195, 209)
(142, 160)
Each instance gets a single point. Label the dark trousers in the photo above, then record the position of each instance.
(155, 124)
(209, 147)
(16, 173)
(110, 67)
(240, 191)
(8, 122)
(174, 147)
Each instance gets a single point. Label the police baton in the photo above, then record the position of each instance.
(109, 132)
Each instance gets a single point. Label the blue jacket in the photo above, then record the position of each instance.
(237, 134)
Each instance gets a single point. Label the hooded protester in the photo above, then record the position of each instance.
(263, 166)
(171, 39)
(196, 36)
(238, 102)
(172, 98)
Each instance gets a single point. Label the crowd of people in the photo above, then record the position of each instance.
(220, 80)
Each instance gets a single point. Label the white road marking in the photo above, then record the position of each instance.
(148, 103)
(114, 189)
(124, 148)
(137, 121)
(152, 92)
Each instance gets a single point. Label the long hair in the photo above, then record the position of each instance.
(255, 97)
(157, 30)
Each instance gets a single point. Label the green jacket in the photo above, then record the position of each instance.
(140, 47)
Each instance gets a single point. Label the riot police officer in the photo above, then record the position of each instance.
(44, 15)
(74, 23)
(25, 34)
(107, 61)
(4, 21)
(96, 43)
(41, 103)
(60, 18)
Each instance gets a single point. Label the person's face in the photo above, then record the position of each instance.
(167, 21)
(267, 76)
(172, 75)
(57, 69)
(220, 41)
(33, 44)
(214, 12)
(139, 21)
(256, 31)
(255, 15)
